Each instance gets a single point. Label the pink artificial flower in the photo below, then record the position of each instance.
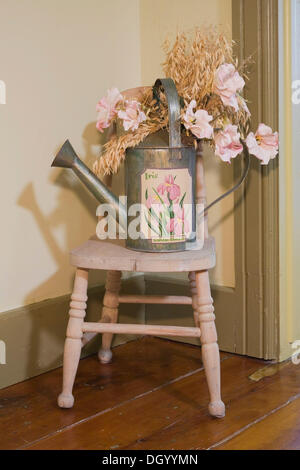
(107, 108)
(228, 143)
(132, 116)
(264, 144)
(227, 82)
(178, 225)
(169, 187)
(198, 122)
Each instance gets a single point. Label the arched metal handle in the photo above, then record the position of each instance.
(238, 184)
(168, 85)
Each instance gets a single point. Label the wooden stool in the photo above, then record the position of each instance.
(115, 258)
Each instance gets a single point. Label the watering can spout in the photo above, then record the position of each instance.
(67, 158)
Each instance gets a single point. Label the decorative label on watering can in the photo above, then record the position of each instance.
(166, 205)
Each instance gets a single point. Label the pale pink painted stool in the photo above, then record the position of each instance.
(115, 258)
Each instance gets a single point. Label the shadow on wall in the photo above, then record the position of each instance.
(49, 328)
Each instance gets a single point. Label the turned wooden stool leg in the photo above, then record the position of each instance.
(210, 348)
(193, 289)
(74, 335)
(109, 312)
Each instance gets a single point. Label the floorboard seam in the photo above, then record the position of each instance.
(144, 439)
(159, 387)
(258, 420)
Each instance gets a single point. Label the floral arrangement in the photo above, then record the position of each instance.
(210, 85)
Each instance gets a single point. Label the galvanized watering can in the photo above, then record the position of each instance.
(160, 185)
(160, 174)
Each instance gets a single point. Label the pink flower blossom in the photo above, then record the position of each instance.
(228, 143)
(132, 116)
(227, 82)
(107, 108)
(178, 225)
(198, 122)
(264, 144)
(169, 187)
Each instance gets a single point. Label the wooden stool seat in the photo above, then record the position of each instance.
(113, 255)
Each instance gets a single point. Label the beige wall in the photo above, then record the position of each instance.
(161, 19)
(57, 58)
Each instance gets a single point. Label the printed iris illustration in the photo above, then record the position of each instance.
(165, 214)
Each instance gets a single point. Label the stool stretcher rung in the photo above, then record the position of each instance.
(155, 299)
(155, 330)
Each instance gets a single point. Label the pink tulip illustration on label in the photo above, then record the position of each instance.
(166, 203)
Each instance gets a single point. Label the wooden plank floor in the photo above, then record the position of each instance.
(154, 396)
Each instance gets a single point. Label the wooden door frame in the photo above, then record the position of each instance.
(247, 315)
(255, 31)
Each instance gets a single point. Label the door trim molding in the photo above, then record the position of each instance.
(247, 316)
(255, 31)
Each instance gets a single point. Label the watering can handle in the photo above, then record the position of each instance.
(168, 85)
(239, 183)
